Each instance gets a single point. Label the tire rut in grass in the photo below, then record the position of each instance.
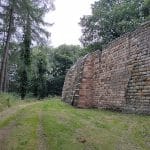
(13, 110)
(42, 138)
(5, 133)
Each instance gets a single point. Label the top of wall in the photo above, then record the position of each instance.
(126, 35)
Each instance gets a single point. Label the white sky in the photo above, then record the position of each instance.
(66, 17)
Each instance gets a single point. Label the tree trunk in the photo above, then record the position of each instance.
(5, 78)
(6, 50)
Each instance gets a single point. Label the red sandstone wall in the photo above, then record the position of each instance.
(86, 86)
(111, 75)
(116, 78)
(138, 64)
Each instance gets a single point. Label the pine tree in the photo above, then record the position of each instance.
(17, 11)
(4, 58)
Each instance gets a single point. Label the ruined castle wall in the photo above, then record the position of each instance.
(112, 75)
(70, 93)
(116, 78)
(138, 64)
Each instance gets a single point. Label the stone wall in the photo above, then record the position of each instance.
(116, 78)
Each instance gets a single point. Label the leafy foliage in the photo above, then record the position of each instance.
(39, 85)
(110, 19)
(63, 58)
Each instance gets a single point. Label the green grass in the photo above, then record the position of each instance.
(24, 135)
(8, 100)
(68, 128)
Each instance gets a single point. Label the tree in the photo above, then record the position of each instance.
(39, 73)
(4, 60)
(41, 76)
(110, 19)
(63, 57)
(17, 12)
(146, 9)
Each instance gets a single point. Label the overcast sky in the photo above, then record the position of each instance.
(66, 18)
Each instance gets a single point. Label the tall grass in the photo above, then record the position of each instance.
(8, 100)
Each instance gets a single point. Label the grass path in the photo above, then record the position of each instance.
(54, 125)
(12, 110)
(8, 122)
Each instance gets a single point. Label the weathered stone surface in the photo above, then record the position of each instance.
(116, 78)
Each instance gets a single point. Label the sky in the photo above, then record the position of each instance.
(66, 17)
